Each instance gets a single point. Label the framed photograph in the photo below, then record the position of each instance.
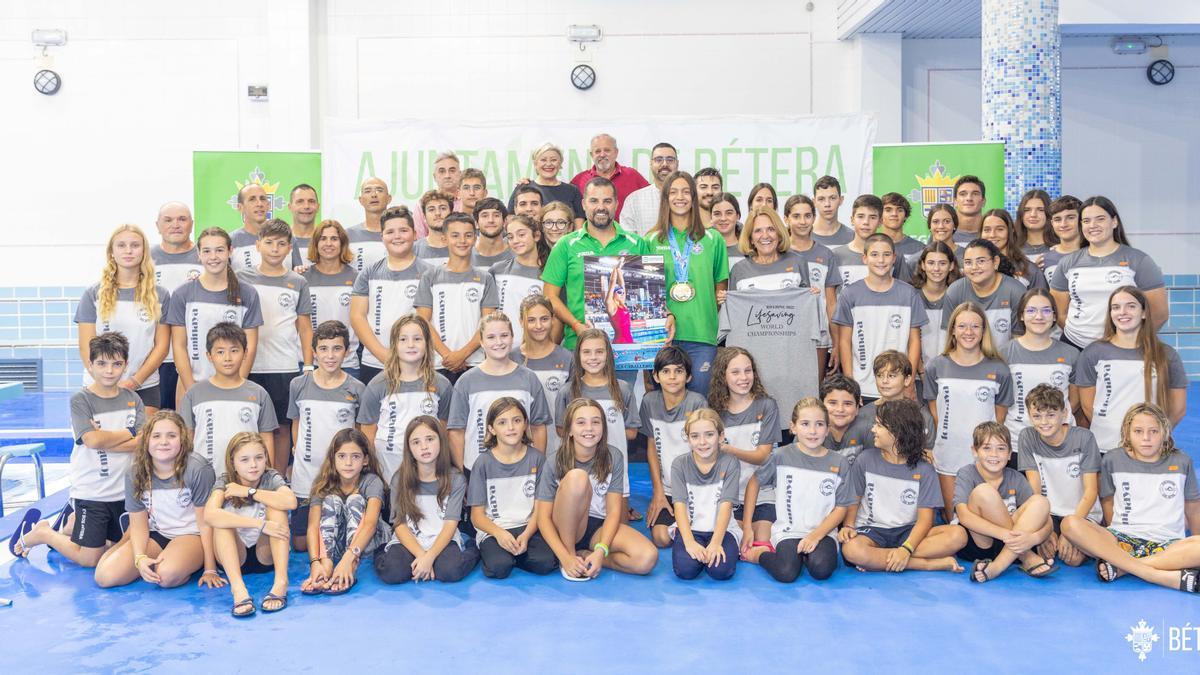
(626, 297)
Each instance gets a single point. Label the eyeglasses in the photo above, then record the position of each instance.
(555, 224)
(1034, 311)
(664, 160)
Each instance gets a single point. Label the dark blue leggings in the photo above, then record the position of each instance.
(787, 562)
(688, 568)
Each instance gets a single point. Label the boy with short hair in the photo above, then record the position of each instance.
(896, 210)
(285, 338)
(105, 419)
(1003, 517)
(827, 195)
(453, 298)
(491, 248)
(472, 188)
(851, 258)
(663, 413)
(876, 314)
(894, 379)
(527, 201)
(1062, 463)
(849, 432)
(435, 206)
(320, 404)
(218, 408)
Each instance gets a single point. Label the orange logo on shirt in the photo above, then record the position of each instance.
(1060, 360)
(788, 268)
(1004, 303)
(991, 376)
(348, 283)
(1123, 263)
(722, 475)
(1172, 468)
(854, 441)
(916, 476)
(834, 469)
(289, 285)
(251, 397)
(350, 398)
(820, 260)
(131, 403)
(533, 470)
(1012, 491)
(759, 418)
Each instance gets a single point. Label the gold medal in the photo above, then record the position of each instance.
(682, 291)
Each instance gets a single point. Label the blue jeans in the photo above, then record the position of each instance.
(702, 356)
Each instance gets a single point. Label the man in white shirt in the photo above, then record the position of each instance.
(641, 208)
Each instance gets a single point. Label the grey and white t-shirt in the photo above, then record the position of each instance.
(329, 300)
(618, 416)
(1050, 260)
(1089, 281)
(867, 416)
(552, 371)
(933, 336)
(965, 396)
(850, 265)
(514, 283)
(840, 237)
(789, 270)
(457, 301)
(172, 503)
(1000, 307)
(1061, 468)
(703, 493)
(390, 295)
(1148, 498)
(130, 319)
(879, 321)
(215, 415)
(757, 424)
(198, 309)
(1014, 488)
(300, 246)
(807, 489)
(1032, 277)
(475, 392)
(483, 263)
(665, 428)
(858, 437)
(391, 411)
(366, 245)
(435, 514)
(282, 298)
(434, 256)
(1028, 368)
(245, 255)
(172, 270)
(908, 252)
(99, 475)
(505, 491)
(269, 480)
(822, 273)
(734, 255)
(319, 414)
(547, 487)
(1118, 376)
(890, 494)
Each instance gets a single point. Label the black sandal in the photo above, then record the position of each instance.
(980, 568)
(239, 605)
(1105, 571)
(1189, 580)
(1048, 564)
(282, 599)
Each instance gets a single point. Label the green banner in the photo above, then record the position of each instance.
(217, 177)
(925, 173)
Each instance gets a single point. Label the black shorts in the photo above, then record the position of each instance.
(666, 517)
(298, 520)
(151, 396)
(159, 538)
(972, 551)
(278, 387)
(1057, 520)
(168, 380)
(886, 537)
(97, 523)
(252, 565)
(593, 526)
(764, 511)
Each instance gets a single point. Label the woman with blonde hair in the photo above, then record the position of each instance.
(547, 161)
(128, 301)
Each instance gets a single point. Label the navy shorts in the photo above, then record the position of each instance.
(298, 520)
(666, 517)
(886, 537)
(972, 551)
(278, 387)
(593, 526)
(97, 523)
(764, 511)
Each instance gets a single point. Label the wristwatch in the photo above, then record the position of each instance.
(356, 552)
(250, 492)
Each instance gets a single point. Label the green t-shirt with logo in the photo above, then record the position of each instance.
(696, 319)
(564, 267)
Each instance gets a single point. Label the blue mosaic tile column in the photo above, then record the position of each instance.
(1022, 93)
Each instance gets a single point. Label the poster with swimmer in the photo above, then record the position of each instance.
(626, 297)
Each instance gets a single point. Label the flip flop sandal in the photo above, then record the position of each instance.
(634, 516)
(63, 515)
(277, 598)
(244, 603)
(980, 569)
(570, 577)
(343, 591)
(1049, 565)
(31, 518)
(315, 590)
(1103, 568)
(1189, 580)
(758, 544)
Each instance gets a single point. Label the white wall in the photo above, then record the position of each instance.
(1122, 137)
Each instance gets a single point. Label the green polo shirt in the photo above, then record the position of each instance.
(564, 267)
(696, 319)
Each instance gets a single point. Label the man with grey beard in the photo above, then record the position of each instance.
(625, 179)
